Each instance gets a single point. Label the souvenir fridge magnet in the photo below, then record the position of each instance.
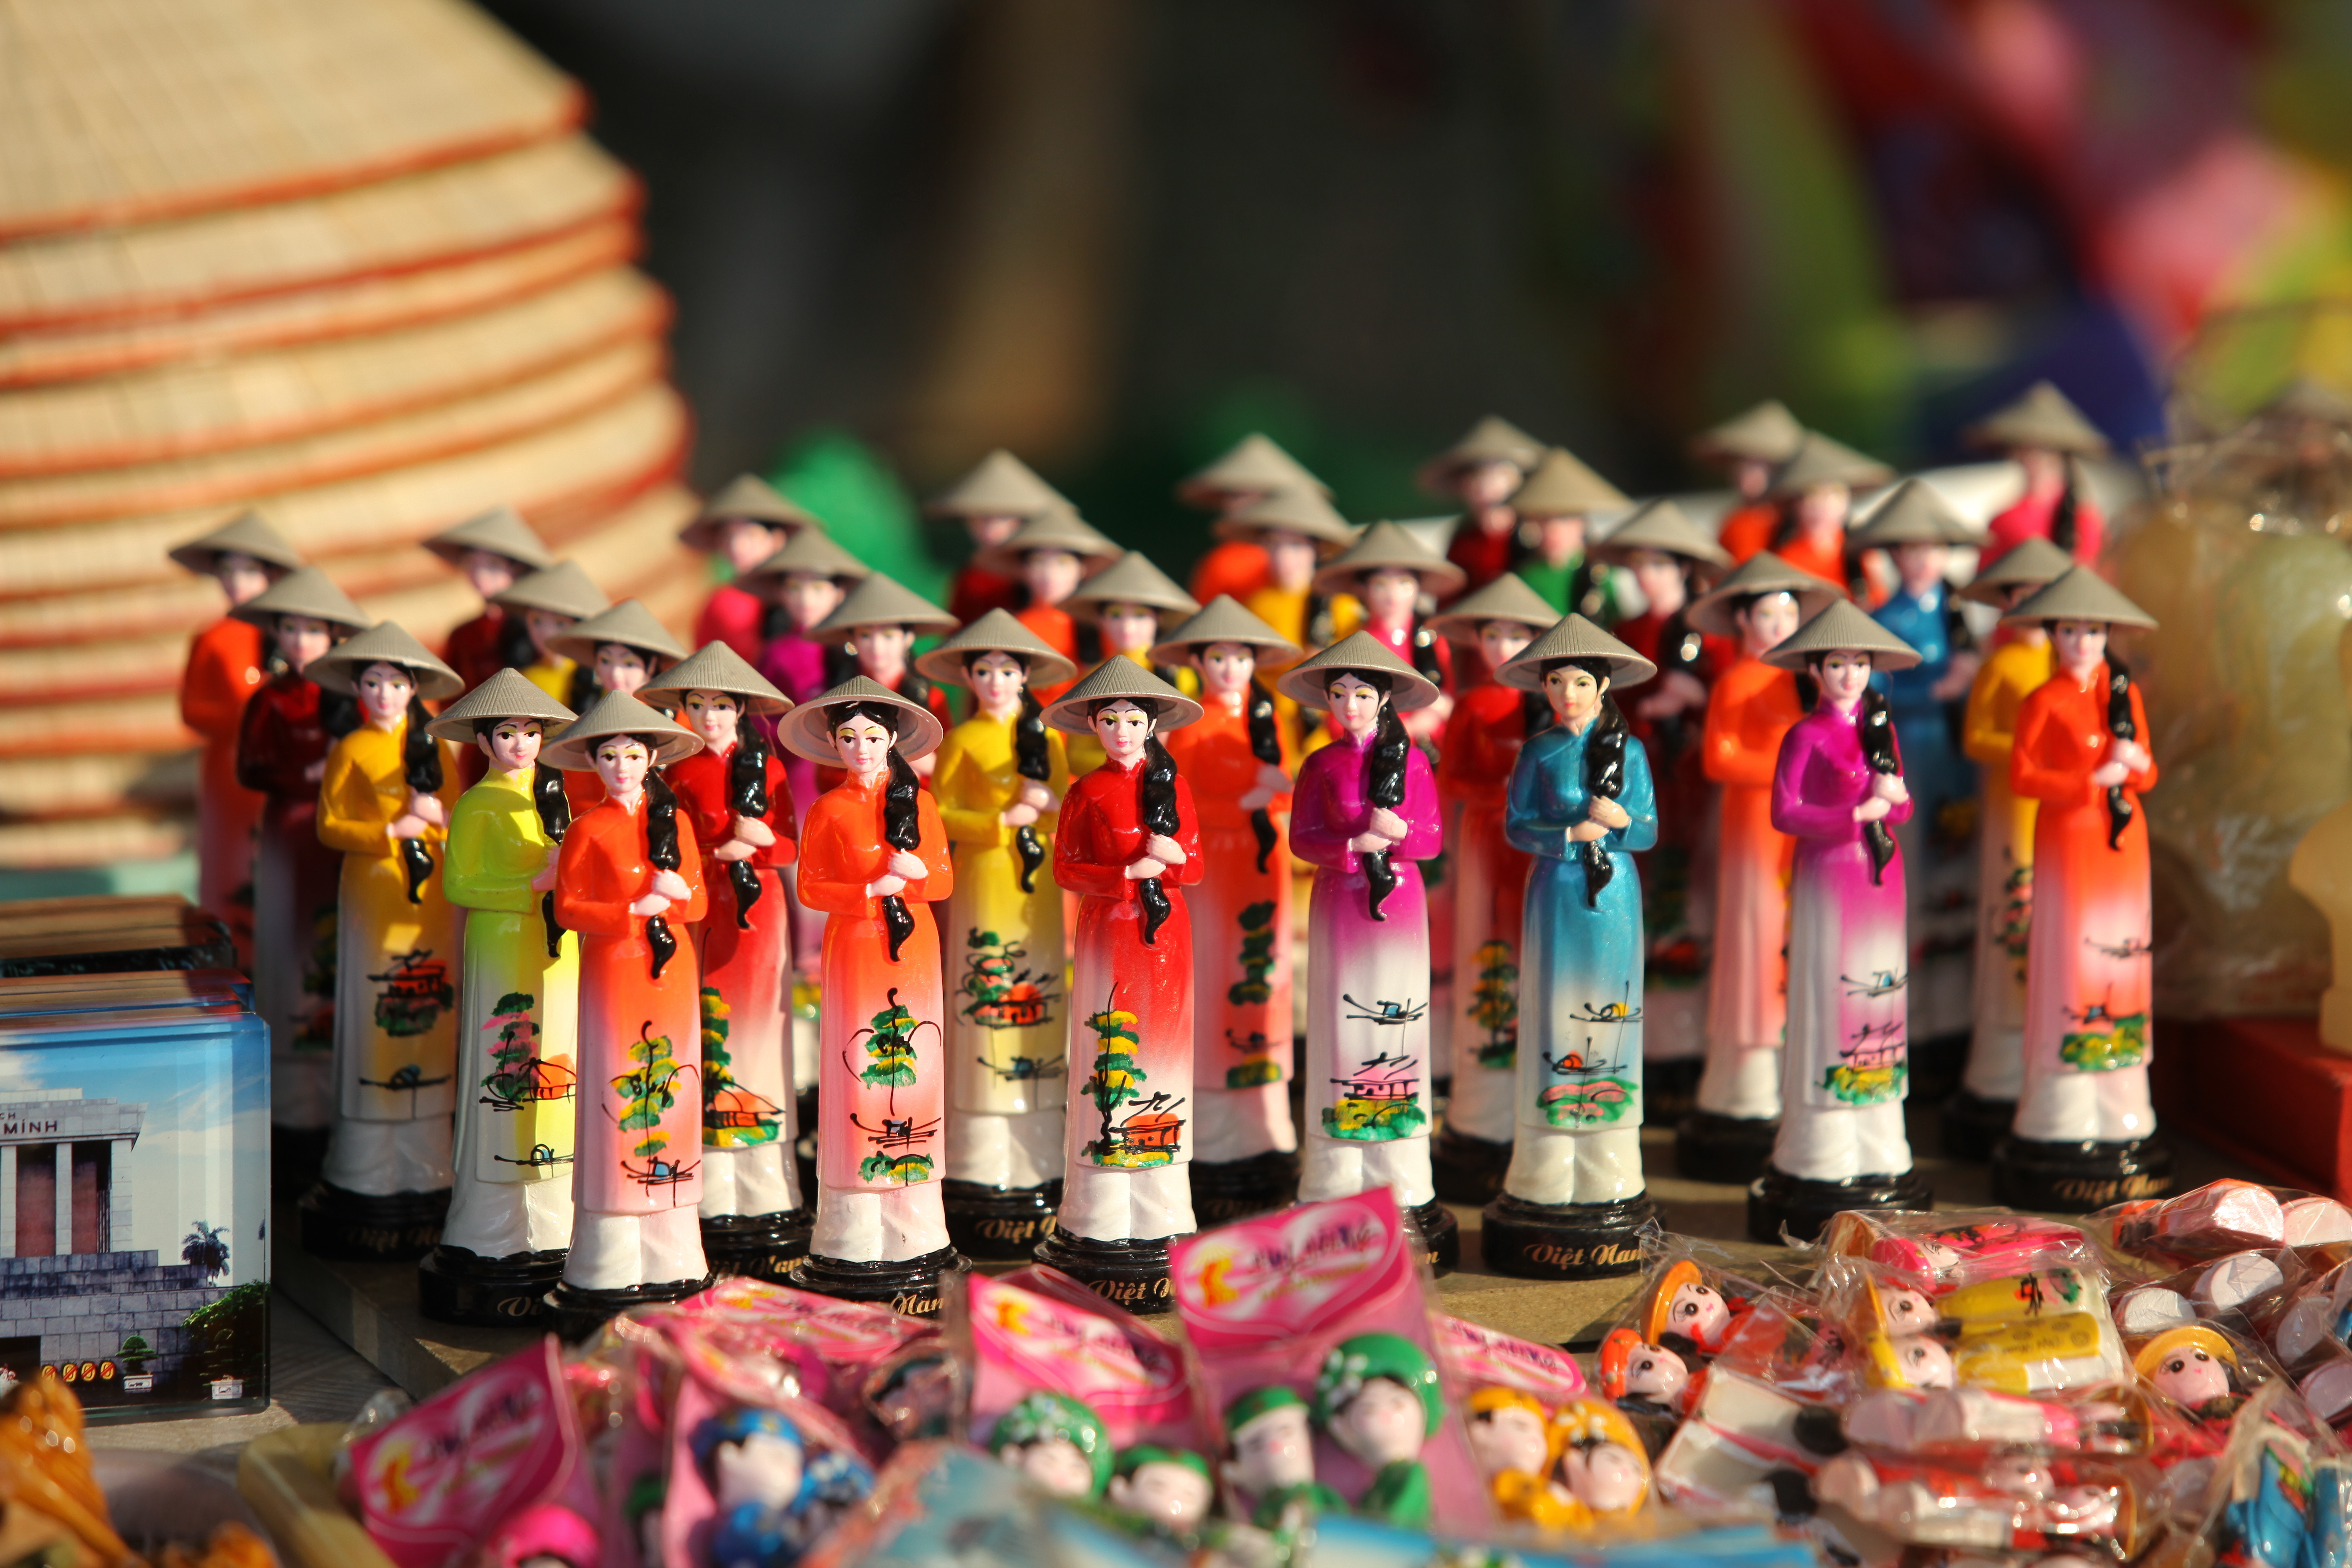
(739, 527)
(1479, 472)
(999, 778)
(992, 499)
(1581, 805)
(495, 551)
(1377, 1396)
(1057, 1443)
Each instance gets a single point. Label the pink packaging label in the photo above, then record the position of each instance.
(1124, 1373)
(1478, 1356)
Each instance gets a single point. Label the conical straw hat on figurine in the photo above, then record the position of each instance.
(500, 531)
(1223, 619)
(1561, 486)
(811, 552)
(2080, 595)
(999, 485)
(619, 714)
(717, 668)
(995, 632)
(1252, 465)
(1913, 514)
(1387, 546)
(629, 623)
(1362, 652)
(1762, 572)
(246, 533)
(2032, 560)
(2042, 417)
(1296, 509)
(1117, 677)
(1817, 460)
(305, 591)
(806, 731)
(882, 601)
(1061, 529)
(1663, 526)
(752, 499)
(1493, 439)
(562, 589)
(1507, 598)
(338, 667)
(1766, 433)
(508, 694)
(1575, 637)
(1132, 579)
(1843, 628)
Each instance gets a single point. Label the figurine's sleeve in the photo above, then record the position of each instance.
(1316, 835)
(1640, 799)
(689, 865)
(1058, 780)
(1898, 812)
(961, 787)
(587, 896)
(1425, 837)
(1075, 846)
(783, 817)
(1791, 812)
(825, 882)
(261, 748)
(452, 790)
(2143, 781)
(1989, 726)
(1528, 824)
(485, 867)
(701, 794)
(352, 819)
(1729, 759)
(931, 846)
(1188, 836)
(2027, 777)
(213, 690)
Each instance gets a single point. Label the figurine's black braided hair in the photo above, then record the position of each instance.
(902, 825)
(1385, 786)
(1604, 770)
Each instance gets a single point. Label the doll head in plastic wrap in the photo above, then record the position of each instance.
(1601, 1461)
(1056, 1441)
(1688, 1314)
(1635, 1375)
(1170, 1487)
(1272, 1445)
(1510, 1430)
(2196, 1368)
(1377, 1397)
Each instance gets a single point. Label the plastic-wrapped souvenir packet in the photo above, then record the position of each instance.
(2016, 1501)
(635, 1475)
(1511, 1389)
(1934, 1253)
(1311, 1330)
(1372, 1543)
(2279, 1495)
(1959, 1423)
(1746, 1449)
(2042, 1332)
(1690, 1307)
(2204, 1372)
(753, 1480)
(2251, 1289)
(853, 1340)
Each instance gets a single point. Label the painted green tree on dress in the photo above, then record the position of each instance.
(1256, 956)
(646, 1092)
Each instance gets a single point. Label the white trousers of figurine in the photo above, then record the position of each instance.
(888, 1227)
(1835, 1145)
(498, 1219)
(2061, 1107)
(1341, 1167)
(1241, 1123)
(380, 1158)
(1127, 1205)
(1553, 1165)
(997, 1150)
(756, 1179)
(615, 1251)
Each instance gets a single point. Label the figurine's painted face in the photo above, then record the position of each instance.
(1273, 1451)
(1767, 623)
(745, 542)
(1226, 667)
(996, 681)
(863, 745)
(1606, 1478)
(620, 668)
(989, 530)
(1700, 1313)
(1129, 628)
(882, 651)
(1389, 595)
(1923, 1363)
(544, 624)
(1507, 1437)
(2190, 1376)
(1574, 695)
(301, 639)
(1750, 477)
(2045, 470)
(241, 577)
(1821, 509)
(1174, 1496)
(1290, 560)
(1906, 1313)
(715, 716)
(1559, 539)
(1354, 704)
(383, 692)
(2017, 1475)
(623, 761)
(1384, 1423)
(488, 572)
(2079, 646)
(1051, 575)
(1484, 485)
(513, 744)
(1845, 675)
(763, 1469)
(1660, 577)
(1122, 728)
(1921, 567)
(1499, 642)
(1656, 1373)
(808, 598)
(1055, 1464)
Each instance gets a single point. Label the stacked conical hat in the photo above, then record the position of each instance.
(1132, 579)
(629, 623)
(2080, 595)
(1762, 572)
(1663, 526)
(508, 694)
(1060, 528)
(805, 731)
(385, 643)
(1913, 514)
(715, 667)
(1817, 460)
(305, 591)
(995, 632)
(1766, 433)
(1223, 619)
(1843, 628)
(1121, 677)
(1252, 466)
(753, 499)
(502, 531)
(999, 485)
(2041, 416)
(1386, 546)
(246, 533)
(618, 714)
(1363, 653)
(811, 552)
(1296, 510)
(1507, 598)
(2032, 560)
(882, 601)
(1493, 439)
(1575, 637)
(562, 589)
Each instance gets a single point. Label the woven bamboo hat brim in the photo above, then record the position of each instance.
(1223, 619)
(811, 552)
(618, 714)
(996, 632)
(717, 668)
(806, 731)
(305, 591)
(2080, 593)
(1060, 529)
(1915, 513)
(502, 531)
(245, 534)
(1507, 598)
(1362, 652)
(753, 499)
(882, 601)
(1132, 579)
(1296, 509)
(1252, 465)
(562, 589)
(1575, 637)
(2044, 417)
(2032, 559)
(1494, 439)
(1762, 572)
(1561, 486)
(1766, 433)
(385, 643)
(508, 694)
(1845, 627)
(1115, 676)
(999, 485)
(1386, 546)
(1817, 460)
(1663, 526)
(628, 623)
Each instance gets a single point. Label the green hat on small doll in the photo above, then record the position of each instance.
(1056, 1441)
(1169, 1488)
(1377, 1397)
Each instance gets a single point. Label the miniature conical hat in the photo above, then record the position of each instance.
(508, 694)
(2032, 560)
(385, 643)
(2080, 595)
(619, 714)
(999, 485)
(1303, 683)
(246, 533)
(1252, 465)
(1132, 579)
(1060, 529)
(1223, 619)
(1561, 486)
(811, 552)
(1762, 572)
(882, 601)
(1768, 433)
(562, 589)
(502, 531)
(1845, 627)
(1295, 509)
(2194, 1336)
(717, 668)
(1575, 637)
(805, 731)
(305, 591)
(753, 499)
(1384, 544)
(1661, 525)
(628, 623)
(1507, 598)
(2042, 417)
(999, 631)
(1817, 460)
(1115, 676)
(1494, 439)
(1913, 513)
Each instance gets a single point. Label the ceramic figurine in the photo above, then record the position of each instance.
(1581, 805)
(1251, 470)
(992, 499)
(282, 754)
(495, 551)
(1747, 447)
(1388, 571)
(1555, 509)
(1168, 1488)
(1244, 1147)
(1363, 812)
(1976, 1117)
(2196, 1368)
(1299, 532)
(741, 526)
(771, 1497)
(384, 805)
(1126, 603)
(245, 556)
(1270, 1459)
(1596, 1470)
(617, 651)
(548, 604)
(880, 623)
(2084, 1132)
(1129, 844)
(1377, 1397)
(1049, 556)
(1509, 1431)
(1056, 1442)
(518, 1016)
(1490, 724)
(1750, 709)
(1480, 472)
(874, 858)
(1838, 789)
(1816, 486)
(2047, 436)
(736, 794)
(999, 780)
(629, 881)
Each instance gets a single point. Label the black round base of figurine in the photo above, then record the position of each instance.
(1467, 1170)
(1133, 1274)
(2075, 1178)
(457, 1286)
(363, 1227)
(1971, 1124)
(574, 1312)
(1671, 1087)
(1235, 1189)
(296, 1155)
(1733, 1150)
(756, 1245)
(1441, 1236)
(999, 1224)
(1778, 1201)
(1564, 1241)
(910, 1285)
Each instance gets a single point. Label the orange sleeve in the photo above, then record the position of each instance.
(932, 849)
(826, 882)
(588, 897)
(2029, 775)
(689, 865)
(221, 677)
(1727, 756)
(1188, 836)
